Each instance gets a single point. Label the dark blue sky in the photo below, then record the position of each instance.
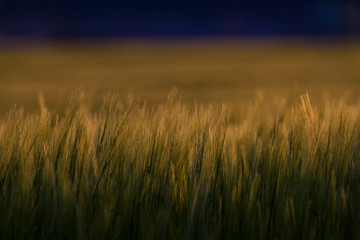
(86, 18)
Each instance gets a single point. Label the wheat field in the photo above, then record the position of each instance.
(133, 171)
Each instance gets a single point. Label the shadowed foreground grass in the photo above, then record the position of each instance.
(134, 172)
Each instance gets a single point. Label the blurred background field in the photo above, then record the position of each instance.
(232, 71)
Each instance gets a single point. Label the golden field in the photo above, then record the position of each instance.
(268, 164)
